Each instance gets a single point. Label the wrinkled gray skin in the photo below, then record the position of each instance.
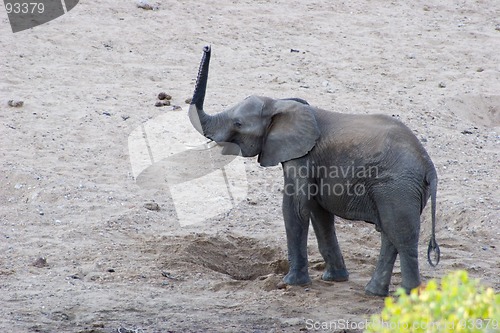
(359, 167)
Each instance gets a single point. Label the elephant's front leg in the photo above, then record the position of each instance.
(296, 216)
(324, 228)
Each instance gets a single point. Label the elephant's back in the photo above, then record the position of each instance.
(375, 137)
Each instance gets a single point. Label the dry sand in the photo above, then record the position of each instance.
(90, 78)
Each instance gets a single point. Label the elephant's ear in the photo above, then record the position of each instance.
(292, 132)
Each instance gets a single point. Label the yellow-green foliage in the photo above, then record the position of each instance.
(458, 304)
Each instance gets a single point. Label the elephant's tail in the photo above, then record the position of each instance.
(433, 245)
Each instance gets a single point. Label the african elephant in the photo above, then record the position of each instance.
(359, 167)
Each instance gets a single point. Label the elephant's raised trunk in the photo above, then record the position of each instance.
(197, 115)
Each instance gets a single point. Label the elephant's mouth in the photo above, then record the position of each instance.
(204, 146)
(228, 148)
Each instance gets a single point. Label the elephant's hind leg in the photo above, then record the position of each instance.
(324, 228)
(379, 283)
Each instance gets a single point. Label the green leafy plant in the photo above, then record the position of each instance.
(457, 304)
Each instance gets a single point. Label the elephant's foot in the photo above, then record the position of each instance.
(414, 285)
(297, 278)
(375, 289)
(337, 275)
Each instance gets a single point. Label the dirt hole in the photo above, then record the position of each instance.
(241, 258)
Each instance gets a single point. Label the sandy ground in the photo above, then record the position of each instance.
(90, 78)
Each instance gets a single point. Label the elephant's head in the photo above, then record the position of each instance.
(276, 130)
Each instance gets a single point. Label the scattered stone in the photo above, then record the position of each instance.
(467, 132)
(188, 100)
(15, 104)
(294, 51)
(176, 108)
(152, 206)
(144, 4)
(168, 275)
(164, 102)
(163, 95)
(105, 113)
(40, 262)
(251, 202)
(281, 285)
(125, 117)
(442, 85)
(480, 69)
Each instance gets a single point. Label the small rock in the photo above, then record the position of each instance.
(40, 262)
(188, 100)
(466, 132)
(106, 114)
(442, 85)
(164, 95)
(176, 108)
(281, 285)
(146, 5)
(15, 104)
(251, 202)
(125, 117)
(294, 51)
(162, 103)
(152, 206)
(480, 69)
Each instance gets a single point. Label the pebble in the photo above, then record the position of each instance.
(163, 95)
(152, 206)
(161, 103)
(281, 285)
(146, 5)
(15, 104)
(442, 85)
(40, 262)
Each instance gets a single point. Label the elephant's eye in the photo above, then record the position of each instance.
(237, 124)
